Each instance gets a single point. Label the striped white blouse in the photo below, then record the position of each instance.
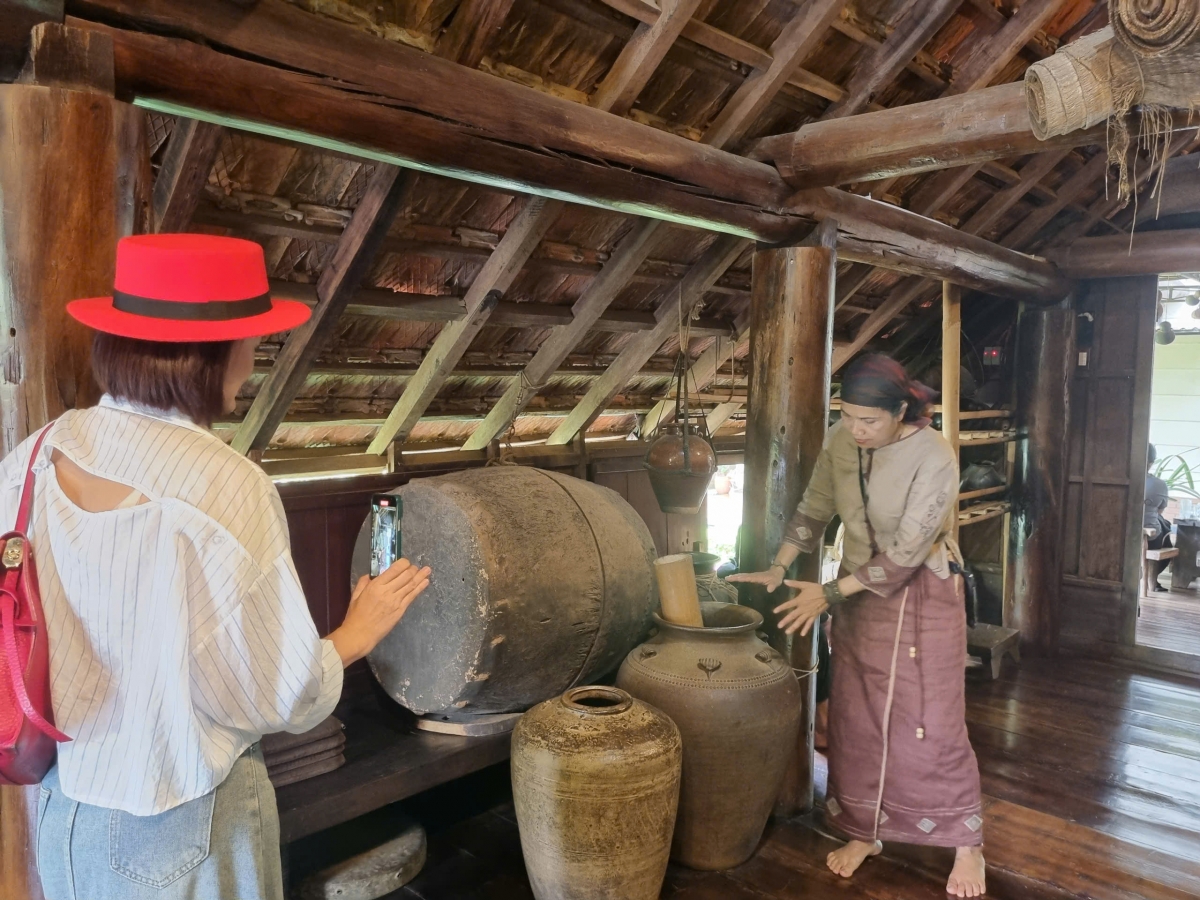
(178, 630)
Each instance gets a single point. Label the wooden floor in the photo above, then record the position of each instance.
(1091, 774)
(1170, 620)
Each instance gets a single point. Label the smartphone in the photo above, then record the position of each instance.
(386, 510)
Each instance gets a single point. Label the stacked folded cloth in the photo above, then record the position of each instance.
(296, 757)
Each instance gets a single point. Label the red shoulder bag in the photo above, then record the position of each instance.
(27, 732)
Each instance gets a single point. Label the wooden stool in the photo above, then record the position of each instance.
(990, 643)
(1149, 556)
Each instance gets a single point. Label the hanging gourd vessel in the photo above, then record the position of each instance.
(681, 460)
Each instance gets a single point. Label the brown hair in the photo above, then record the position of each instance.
(879, 381)
(186, 377)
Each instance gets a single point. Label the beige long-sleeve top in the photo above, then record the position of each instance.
(911, 488)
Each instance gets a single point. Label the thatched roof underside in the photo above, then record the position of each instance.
(295, 201)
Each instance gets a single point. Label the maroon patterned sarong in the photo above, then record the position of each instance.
(930, 792)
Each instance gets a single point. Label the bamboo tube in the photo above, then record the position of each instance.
(677, 590)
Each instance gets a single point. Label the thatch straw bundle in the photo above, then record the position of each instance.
(1071, 89)
(1152, 27)
(1098, 77)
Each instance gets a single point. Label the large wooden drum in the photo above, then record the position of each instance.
(540, 582)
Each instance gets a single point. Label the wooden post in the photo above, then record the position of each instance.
(791, 340)
(951, 367)
(74, 178)
(1045, 360)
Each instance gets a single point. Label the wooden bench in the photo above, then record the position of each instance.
(990, 643)
(1151, 556)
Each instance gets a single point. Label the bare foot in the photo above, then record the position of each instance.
(968, 878)
(846, 860)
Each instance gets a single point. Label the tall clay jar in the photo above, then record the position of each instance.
(595, 778)
(737, 704)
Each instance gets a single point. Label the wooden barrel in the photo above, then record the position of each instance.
(540, 582)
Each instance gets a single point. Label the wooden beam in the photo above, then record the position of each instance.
(1180, 194)
(474, 24)
(870, 231)
(17, 19)
(340, 279)
(190, 154)
(798, 39)
(723, 253)
(382, 94)
(913, 31)
(399, 306)
(641, 56)
(791, 339)
(993, 55)
(983, 125)
(1122, 255)
(497, 275)
(721, 413)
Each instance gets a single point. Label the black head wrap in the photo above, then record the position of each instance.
(879, 381)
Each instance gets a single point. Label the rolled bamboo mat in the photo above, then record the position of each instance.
(1153, 27)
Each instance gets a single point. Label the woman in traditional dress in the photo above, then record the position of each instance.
(178, 630)
(901, 767)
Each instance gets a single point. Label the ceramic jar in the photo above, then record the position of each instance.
(737, 704)
(595, 778)
(680, 468)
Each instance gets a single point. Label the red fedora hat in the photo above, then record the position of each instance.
(189, 287)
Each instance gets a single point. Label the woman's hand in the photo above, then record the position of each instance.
(376, 606)
(771, 579)
(804, 608)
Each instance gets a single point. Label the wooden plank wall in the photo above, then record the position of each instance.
(1107, 436)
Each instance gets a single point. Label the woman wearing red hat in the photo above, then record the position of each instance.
(178, 630)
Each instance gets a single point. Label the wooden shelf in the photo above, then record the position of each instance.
(985, 492)
(983, 414)
(386, 760)
(981, 512)
(981, 438)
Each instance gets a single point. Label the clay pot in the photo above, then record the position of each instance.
(680, 470)
(737, 704)
(979, 476)
(722, 484)
(595, 778)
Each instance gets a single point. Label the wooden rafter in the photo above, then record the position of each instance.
(994, 54)
(706, 368)
(700, 277)
(341, 278)
(787, 52)
(641, 56)
(912, 33)
(188, 159)
(629, 75)
(474, 24)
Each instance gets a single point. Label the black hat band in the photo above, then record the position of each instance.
(210, 311)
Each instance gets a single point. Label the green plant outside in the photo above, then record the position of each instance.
(1177, 473)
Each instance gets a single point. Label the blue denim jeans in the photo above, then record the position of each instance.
(222, 845)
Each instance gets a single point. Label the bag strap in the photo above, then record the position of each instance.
(8, 633)
(27, 489)
(862, 487)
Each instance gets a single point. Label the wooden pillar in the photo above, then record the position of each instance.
(73, 178)
(951, 366)
(791, 342)
(1045, 359)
